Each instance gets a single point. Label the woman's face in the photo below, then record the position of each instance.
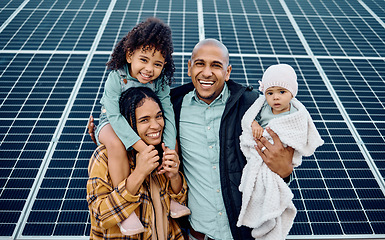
(149, 122)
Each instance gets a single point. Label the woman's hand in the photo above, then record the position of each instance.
(277, 157)
(170, 163)
(170, 168)
(146, 161)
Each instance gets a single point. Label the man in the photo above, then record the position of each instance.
(208, 114)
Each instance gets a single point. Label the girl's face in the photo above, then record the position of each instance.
(149, 122)
(146, 65)
(279, 99)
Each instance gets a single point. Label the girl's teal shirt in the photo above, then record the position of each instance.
(114, 87)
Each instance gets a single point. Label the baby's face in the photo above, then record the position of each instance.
(279, 99)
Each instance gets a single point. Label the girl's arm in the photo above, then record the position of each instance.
(169, 135)
(110, 101)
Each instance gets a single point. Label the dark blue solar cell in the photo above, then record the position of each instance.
(365, 183)
(378, 227)
(301, 217)
(9, 216)
(360, 173)
(347, 204)
(75, 205)
(356, 164)
(82, 173)
(77, 193)
(351, 216)
(300, 229)
(54, 183)
(378, 204)
(311, 183)
(338, 183)
(322, 216)
(302, 173)
(14, 194)
(341, 193)
(32, 163)
(337, 164)
(13, 205)
(62, 163)
(42, 229)
(357, 228)
(73, 216)
(32, 155)
(315, 193)
(24, 173)
(58, 173)
(42, 204)
(7, 229)
(326, 228)
(370, 193)
(78, 182)
(316, 204)
(42, 216)
(65, 154)
(50, 193)
(69, 229)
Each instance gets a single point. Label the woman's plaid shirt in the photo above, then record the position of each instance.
(109, 206)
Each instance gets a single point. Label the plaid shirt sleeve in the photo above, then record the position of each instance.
(109, 206)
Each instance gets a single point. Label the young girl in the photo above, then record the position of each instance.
(141, 59)
(267, 205)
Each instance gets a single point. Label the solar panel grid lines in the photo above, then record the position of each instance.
(335, 189)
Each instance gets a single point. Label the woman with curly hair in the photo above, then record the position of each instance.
(143, 58)
(150, 187)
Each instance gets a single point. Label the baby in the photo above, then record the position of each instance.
(267, 205)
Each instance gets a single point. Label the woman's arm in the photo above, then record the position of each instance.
(107, 205)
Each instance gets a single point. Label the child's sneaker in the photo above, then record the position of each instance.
(177, 210)
(131, 225)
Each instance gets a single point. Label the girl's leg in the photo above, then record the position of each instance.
(118, 165)
(119, 169)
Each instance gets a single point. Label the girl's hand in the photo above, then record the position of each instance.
(147, 160)
(257, 130)
(170, 163)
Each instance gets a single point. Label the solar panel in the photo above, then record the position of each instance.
(52, 61)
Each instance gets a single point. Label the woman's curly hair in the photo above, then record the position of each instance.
(150, 34)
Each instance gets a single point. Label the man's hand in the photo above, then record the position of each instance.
(276, 156)
(91, 128)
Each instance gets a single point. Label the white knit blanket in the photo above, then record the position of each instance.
(267, 205)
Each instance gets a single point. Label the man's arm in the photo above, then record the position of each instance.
(91, 128)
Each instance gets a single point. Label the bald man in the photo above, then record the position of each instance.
(208, 114)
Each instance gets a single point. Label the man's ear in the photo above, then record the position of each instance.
(228, 71)
(188, 68)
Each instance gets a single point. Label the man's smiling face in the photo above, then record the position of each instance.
(209, 69)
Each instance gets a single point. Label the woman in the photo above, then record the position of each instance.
(154, 179)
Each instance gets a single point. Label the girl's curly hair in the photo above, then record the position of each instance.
(150, 34)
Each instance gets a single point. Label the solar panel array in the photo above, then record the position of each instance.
(52, 61)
